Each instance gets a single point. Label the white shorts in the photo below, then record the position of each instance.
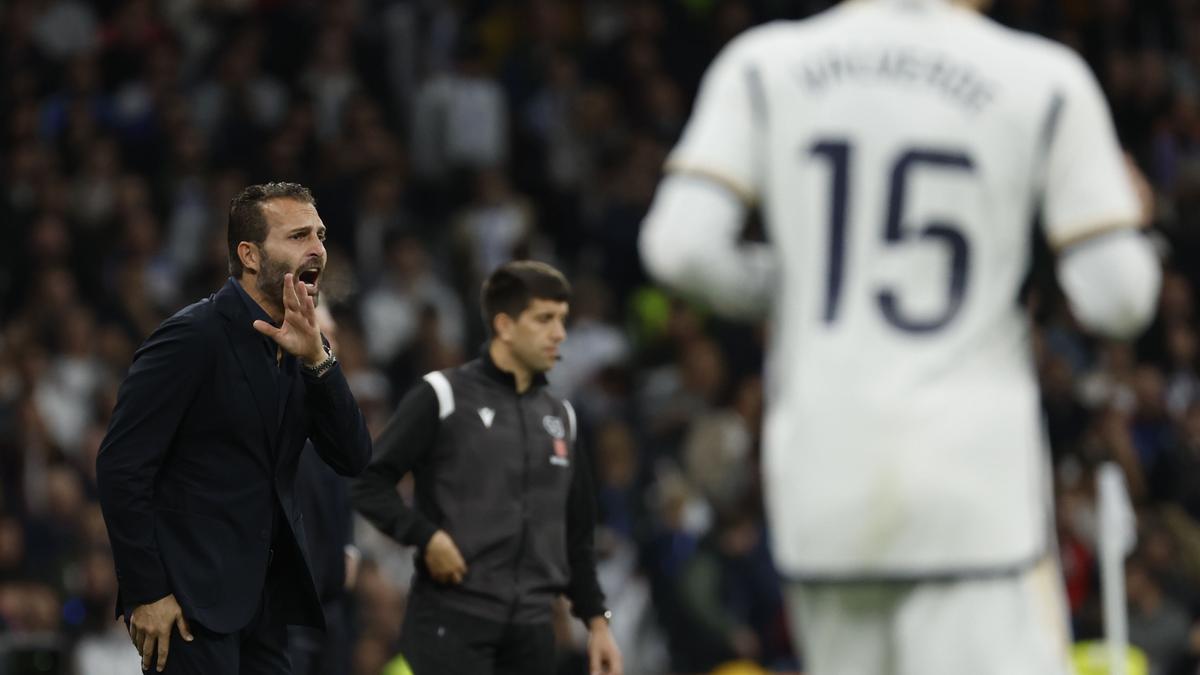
(1012, 625)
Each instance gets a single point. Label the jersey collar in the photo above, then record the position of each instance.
(493, 371)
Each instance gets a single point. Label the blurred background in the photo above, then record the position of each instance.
(442, 138)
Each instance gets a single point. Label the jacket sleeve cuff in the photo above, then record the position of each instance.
(323, 378)
(587, 609)
(141, 579)
(419, 533)
(144, 595)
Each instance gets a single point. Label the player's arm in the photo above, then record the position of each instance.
(1092, 214)
(689, 239)
(407, 439)
(1112, 282)
(690, 242)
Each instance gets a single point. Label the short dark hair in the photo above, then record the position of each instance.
(246, 219)
(514, 285)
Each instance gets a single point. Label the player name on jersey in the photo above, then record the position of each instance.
(907, 66)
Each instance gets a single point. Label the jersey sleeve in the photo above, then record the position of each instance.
(722, 139)
(1088, 190)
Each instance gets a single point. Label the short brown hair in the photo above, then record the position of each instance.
(514, 285)
(246, 219)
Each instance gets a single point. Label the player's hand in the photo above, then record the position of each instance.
(150, 629)
(604, 658)
(445, 563)
(299, 334)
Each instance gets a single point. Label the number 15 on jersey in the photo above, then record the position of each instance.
(839, 155)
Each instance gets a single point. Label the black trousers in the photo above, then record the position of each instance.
(440, 641)
(323, 653)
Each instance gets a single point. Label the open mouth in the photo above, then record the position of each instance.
(309, 276)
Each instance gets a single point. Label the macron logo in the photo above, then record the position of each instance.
(487, 415)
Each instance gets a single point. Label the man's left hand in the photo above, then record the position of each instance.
(603, 656)
(299, 334)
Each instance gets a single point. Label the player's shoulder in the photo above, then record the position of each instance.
(1028, 52)
(768, 39)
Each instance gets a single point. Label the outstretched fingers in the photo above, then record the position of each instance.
(291, 301)
(267, 329)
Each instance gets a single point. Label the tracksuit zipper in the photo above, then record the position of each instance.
(524, 509)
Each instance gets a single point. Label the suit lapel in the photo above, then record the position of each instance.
(247, 349)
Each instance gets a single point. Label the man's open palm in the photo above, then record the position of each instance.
(298, 334)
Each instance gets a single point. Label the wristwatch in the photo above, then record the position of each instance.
(322, 367)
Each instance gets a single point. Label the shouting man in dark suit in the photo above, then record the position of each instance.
(197, 471)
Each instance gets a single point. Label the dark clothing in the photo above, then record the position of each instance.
(315, 652)
(197, 473)
(258, 649)
(1175, 477)
(503, 475)
(437, 640)
(324, 499)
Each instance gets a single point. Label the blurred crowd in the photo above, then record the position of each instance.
(441, 138)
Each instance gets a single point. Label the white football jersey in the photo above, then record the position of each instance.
(899, 151)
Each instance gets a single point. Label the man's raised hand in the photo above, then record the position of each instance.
(298, 335)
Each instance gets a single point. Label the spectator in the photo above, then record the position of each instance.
(391, 310)
(459, 119)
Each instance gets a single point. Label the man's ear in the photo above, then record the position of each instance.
(502, 326)
(248, 253)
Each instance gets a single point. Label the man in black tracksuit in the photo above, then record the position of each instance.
(504, 513)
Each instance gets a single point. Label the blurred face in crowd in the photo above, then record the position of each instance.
(533, 337)
(12, 544)
(295, 243)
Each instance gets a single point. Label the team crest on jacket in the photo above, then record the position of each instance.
(554, 426)
(559, 458)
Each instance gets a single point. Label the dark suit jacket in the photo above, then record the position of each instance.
(200, 456)
(324, 498)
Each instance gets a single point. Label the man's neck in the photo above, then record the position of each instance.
(505, 361)
(251, 288)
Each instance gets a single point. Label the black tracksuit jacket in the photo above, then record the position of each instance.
(503, 474)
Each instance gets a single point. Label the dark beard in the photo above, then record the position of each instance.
(270, 279)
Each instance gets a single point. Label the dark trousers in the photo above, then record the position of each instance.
(258, 649)
(440, 641)
(314, 652)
